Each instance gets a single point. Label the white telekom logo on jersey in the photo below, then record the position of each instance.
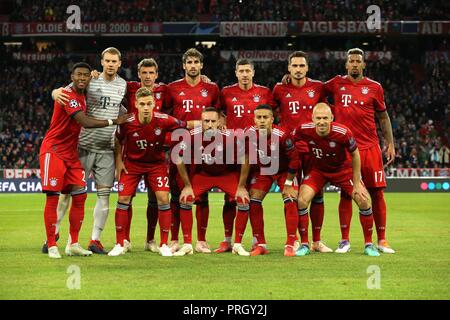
(188, 105)
(294, 106)
(238, 109)
(346, 99)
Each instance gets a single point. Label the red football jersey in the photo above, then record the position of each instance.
(329, 153)
(187, 102)
(213, 153)
(62, 136)
(144, 143)
(279, 149)
(296, 103)
(355, 105)
(159, 93)
(239, 104)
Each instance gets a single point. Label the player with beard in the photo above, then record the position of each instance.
(358, 100)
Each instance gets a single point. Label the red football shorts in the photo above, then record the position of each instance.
(317, 179)
(155, 175)
(372, 171)
(202, 183)
(264, 182)
(59, 175)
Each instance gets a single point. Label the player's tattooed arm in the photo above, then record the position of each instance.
(386, 128)
(120, 166)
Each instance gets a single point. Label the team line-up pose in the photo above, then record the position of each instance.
(188, 137)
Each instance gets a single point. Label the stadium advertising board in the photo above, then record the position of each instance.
(87, 29)
(33, 185)
(361, 27)
(253, 29)
(282, 55)
(182, 28)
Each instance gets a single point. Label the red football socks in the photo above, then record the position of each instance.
(76, 214)
(291, 216)
(379, 212)
(50, 218)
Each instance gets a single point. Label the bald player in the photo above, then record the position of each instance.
(330, 144)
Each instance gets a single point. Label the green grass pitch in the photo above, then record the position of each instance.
(418, 228)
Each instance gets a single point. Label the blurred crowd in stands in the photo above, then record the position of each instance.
(416, 93)
(228, 10)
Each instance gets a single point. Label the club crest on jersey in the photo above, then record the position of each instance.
(204, 93)
(311, 93)
(120, 91)
(157, 131)
(53, 182)
(332, 144)
(183, 145)
(120, 186)
(158, 95)
(256, 98)
(365, 90)
(73, 103)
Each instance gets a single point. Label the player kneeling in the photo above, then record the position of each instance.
(329, 143)
(207, 149)
(143, 155)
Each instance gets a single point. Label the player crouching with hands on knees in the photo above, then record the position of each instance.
(139, 152)
(329, 144)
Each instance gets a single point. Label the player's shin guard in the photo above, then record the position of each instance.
(345, 215)
(121, 222)
(316, 213)
(228, 215)
(101, 212)
(366, 219)
(130, 217)
(379, 211)
(257, 220)
(291, 216)
(175, 223)
(202, 215)
(76, 214)
(165, 218)
(241, 221)
(152, 219)
(50, 217)
(303, 225)
(186, 222)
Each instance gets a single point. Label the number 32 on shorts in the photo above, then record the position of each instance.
(163, 181)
